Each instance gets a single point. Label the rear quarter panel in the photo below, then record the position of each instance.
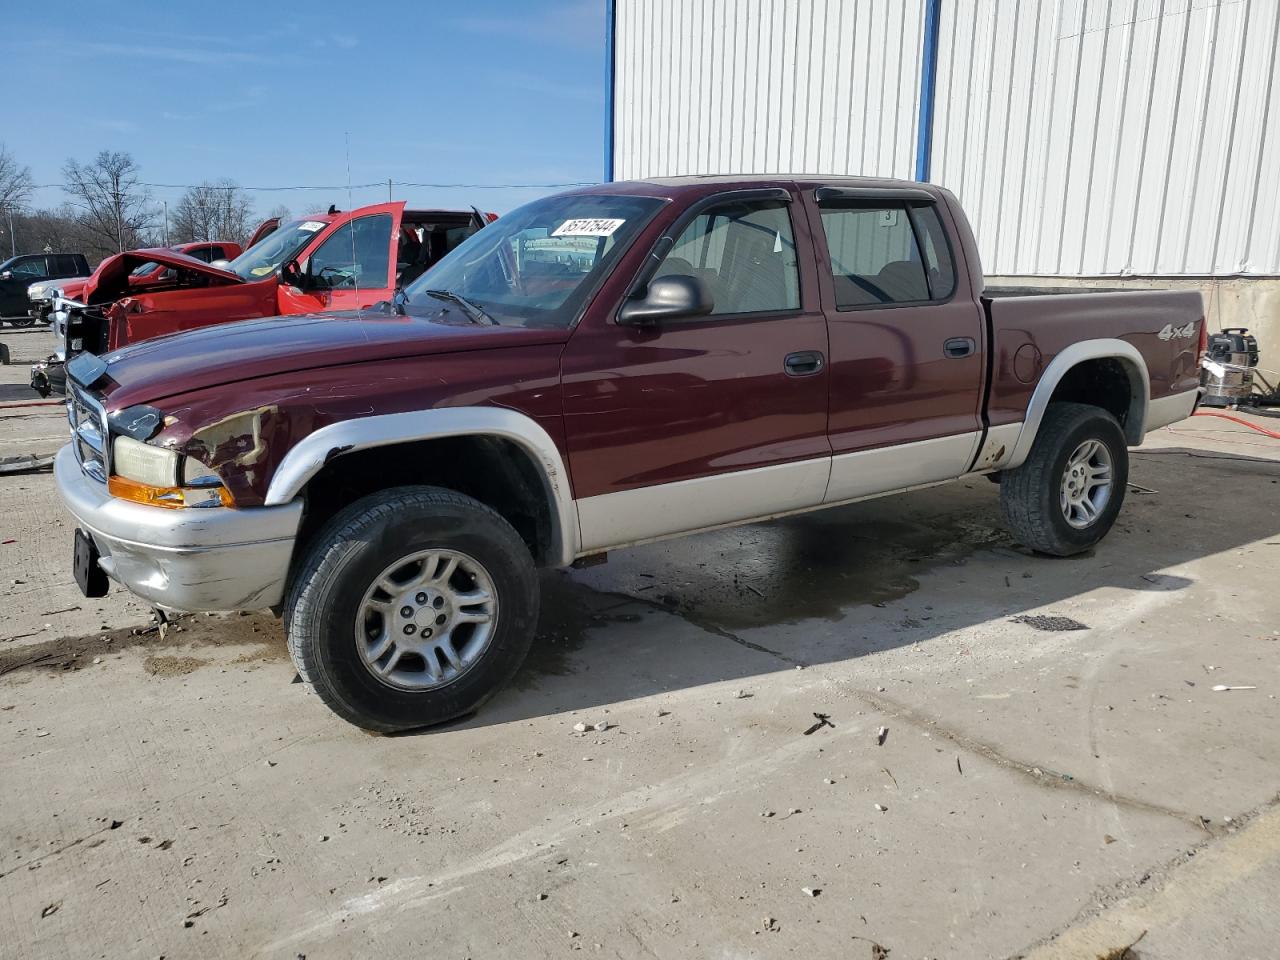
(1041, 327)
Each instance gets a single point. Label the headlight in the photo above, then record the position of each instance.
(153, 475)
(144, 463)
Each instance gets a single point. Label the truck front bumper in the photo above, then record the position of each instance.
(215, 558)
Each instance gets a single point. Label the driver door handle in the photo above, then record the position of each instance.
(804, 363)
(958, 347)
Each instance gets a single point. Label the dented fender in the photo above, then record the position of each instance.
(312, 452)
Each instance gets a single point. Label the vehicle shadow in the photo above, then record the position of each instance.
(820, 588)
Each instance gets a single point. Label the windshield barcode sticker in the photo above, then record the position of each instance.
(311, 226)
(587, 228)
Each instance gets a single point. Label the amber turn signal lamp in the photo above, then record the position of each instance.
(171, 497)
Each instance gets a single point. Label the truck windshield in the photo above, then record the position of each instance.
(265, 256)
(537, 265)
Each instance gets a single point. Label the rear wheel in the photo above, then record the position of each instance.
(412, 607)
(1066, 496)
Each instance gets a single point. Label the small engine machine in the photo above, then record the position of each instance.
(1227, 369)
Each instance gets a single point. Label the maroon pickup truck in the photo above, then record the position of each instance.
(600, 368)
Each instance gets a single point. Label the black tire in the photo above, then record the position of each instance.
(343, 561)
(1030, 494)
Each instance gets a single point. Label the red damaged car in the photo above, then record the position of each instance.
(321, 262)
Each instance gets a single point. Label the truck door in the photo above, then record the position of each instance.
(907, 346)
(349, 265)
(706, 420)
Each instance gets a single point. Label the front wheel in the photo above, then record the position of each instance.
(1067, 494)
(411, 607)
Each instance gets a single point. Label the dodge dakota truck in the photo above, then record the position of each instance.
(600, 368)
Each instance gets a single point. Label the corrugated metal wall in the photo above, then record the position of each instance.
(1085, 137)
(1090, 137)
(760, 86)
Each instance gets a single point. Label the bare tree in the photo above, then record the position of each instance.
(15, 190)
(213, 211)
(281, 212)
(111, 204)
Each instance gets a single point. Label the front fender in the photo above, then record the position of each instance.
(311, 453)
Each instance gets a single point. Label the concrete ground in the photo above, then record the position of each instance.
(1040, 791)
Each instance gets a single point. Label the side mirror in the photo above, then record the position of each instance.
(292, 275)
(668, 298)
(7, 275)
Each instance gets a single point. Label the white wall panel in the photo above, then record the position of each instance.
(760, 86)
(1084, 137)
(1096, 137)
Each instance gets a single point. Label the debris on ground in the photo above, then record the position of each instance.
(824, 720)
(51, 909)
(771, 925)
(1219, 688)
(881, 736)
(1123, 953)
(579, 727)
(959, 769)
(601, 726)
(662, 713)
(741, 695)
(881, 807)
(1050, 624)
(811, 891)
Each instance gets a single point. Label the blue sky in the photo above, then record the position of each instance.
(481, 91)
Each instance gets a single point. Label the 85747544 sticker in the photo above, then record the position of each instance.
(588, 227)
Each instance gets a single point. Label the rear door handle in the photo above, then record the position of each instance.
(958, 347)
(805, 363)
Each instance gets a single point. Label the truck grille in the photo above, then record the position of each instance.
(89, 437)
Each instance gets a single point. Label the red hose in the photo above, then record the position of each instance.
(1226, 416)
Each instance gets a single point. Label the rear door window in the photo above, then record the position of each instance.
(886, 253)
(745, 253)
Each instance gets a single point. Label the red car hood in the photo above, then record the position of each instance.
(111, 280)
(149, 371)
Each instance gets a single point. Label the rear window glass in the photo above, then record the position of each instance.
(886, 254)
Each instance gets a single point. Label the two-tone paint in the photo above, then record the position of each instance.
(643, 433)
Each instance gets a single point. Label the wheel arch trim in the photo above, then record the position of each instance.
(1133, 364)
(309, 456)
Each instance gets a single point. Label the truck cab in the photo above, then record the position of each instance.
(18, 273)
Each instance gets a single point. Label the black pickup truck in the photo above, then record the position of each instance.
(18, 273)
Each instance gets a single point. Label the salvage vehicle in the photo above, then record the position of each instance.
(147, 274)
(605, 367)
(17, 274)
(328, 261)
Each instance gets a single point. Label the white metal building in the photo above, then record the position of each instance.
(1086, 138)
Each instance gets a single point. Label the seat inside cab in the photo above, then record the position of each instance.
(426, 236)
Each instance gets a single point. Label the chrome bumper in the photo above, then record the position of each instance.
(194, 559)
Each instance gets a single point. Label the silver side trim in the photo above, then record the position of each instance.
(1139, 390)
(628, 517)
(306, 459)
(997, 449)
(870, 472)
(1171, 409)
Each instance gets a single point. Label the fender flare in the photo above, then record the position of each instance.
(1139, 391)
(310, 455)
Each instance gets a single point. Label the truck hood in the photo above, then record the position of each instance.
(111, 280)
(149, 371)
